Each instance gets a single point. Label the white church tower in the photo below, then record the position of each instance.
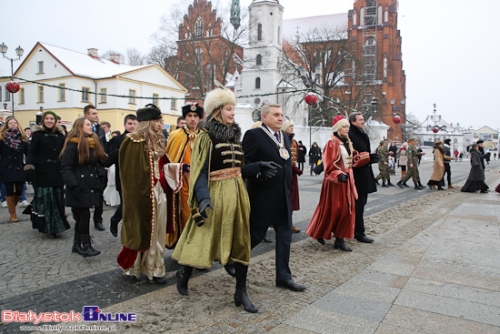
(260, 74)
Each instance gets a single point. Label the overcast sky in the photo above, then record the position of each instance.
(450, 47)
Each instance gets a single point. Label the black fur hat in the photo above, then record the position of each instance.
(192, 107)
(148, 113)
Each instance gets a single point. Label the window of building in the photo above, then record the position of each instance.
(104, 92)
(62, 92)
(156, 100)
(386, 16)
(40, 94)
(370, 59)
(173, 104)
(259, 32)
(379, 15)
(279, 35)
(354, 19)
(385, 66)
(362, 16)
(258, 60)
(21, 96)
(131, 96)
(85, 94)
(7, 95)
(0, 93)
(40, 67)
(257, 83)
(198, 57)
(198, 27)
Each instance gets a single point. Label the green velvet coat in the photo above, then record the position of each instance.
(225, 235)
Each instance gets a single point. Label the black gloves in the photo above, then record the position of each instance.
(269, 168)
(342, 178)
(186, 168)
(75, 192)
(374, 158)
(203, 206)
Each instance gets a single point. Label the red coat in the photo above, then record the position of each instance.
(335, 212)
(296, 172)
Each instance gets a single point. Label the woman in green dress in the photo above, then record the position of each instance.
(219, 226)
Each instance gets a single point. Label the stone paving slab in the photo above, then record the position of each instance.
(366, 290)
(421, 321)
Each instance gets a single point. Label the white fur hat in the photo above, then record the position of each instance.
(286, 124)
(217, 98)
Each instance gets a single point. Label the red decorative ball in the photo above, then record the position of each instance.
(435, 129)
(311, 98)
(12, 87)
(396, 119)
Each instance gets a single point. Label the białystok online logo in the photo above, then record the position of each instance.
(88, 314)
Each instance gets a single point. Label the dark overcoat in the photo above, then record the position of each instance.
(44, 155)
(84, 176)
(114, 149)
(363, 176)
(476, 169)
(270, 200)
(12, 162)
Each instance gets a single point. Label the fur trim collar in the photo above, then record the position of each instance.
(37, 127)
(222, 132)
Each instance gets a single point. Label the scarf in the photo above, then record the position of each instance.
(90, 139)
(13, 138)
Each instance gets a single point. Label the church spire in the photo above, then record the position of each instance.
(235, 14)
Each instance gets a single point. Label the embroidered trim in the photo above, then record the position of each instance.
(226, 173)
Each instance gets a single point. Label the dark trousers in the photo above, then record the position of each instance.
(117, 216)
(82, 219)
(359, 230)
(447, 171)
(103, 180)
(283, 242)
(14, 188)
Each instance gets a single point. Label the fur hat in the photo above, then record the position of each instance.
(339, 122)
(480, 141)
(218, 97)
(148, 113)
(286, 124)
(192, 107)
(438, 142)
(447, 141)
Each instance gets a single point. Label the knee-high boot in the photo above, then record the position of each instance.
(77, 242)
(11, 204)
(183, 275)
(240, 296)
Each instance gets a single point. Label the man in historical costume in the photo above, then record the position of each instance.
(269, 193)
(129, 123)
(363, 176)
(287, 128)
(335, 213)
(144, 191)
(179, 148)
(413, 157)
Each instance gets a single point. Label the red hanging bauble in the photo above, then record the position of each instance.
(12, 87)
(311, 98)
(435, 129)
(396, 119)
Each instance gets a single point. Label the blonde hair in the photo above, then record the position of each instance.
(5, 128)
(155, 141)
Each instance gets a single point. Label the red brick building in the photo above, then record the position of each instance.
(204, 51)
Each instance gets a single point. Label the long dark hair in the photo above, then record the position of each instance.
(83, 142)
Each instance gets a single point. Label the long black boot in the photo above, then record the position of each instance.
(420, 185)
(383, 184)
(87, 249)
(183, 275)
(77, 243)
(339, 243)
(240, 296)
(389, 184)
(404, 184)
(400, 184)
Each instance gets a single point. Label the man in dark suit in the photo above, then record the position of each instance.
(363, 176)
(129, 123)
(268, 173)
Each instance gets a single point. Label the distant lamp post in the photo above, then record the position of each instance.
(12, 87)
(311, 99)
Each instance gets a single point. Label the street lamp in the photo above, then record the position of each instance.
(12, 86)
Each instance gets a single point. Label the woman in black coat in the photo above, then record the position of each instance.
(301, 159)
(475, 181)
(314, 156)
(81, 154)
(14, 147)
(47, 213)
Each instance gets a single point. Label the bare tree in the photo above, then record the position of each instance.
(159, 54)
(135, 58)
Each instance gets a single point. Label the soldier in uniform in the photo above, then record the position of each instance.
(413, 173)
(383, 164)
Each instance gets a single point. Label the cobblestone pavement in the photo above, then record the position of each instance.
(41, 274)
